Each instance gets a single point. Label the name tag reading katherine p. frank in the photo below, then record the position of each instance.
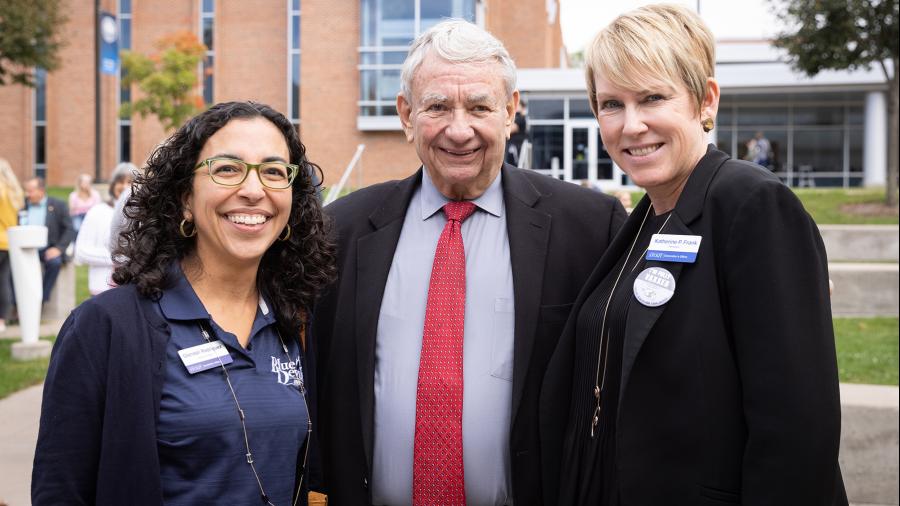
(205, 356)
(674, 248)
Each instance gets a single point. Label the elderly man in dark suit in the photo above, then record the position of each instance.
(455, 283)
(54, 214)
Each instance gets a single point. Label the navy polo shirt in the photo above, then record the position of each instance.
(199, 437)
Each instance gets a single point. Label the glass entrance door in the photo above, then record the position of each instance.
(584, 156)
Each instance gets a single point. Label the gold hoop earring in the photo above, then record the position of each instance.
(185, 234)
(286, 234)
(708, 124)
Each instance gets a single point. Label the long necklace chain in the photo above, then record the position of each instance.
(602, 355)
(249, 454)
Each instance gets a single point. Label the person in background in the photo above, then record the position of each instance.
(518, 132)
(185, 384)
(82, 199)
(92, 243)
(698, 364)
(52, 213)
(11, 200)
(453, 289)
(762, 150)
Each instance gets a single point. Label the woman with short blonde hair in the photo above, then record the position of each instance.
(698, 363)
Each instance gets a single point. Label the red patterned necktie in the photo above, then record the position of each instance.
(438, 478)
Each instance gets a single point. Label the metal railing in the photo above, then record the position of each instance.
(335, 191)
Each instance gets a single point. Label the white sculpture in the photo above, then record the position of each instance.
(24, 243)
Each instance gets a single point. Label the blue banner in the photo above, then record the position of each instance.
(109, 44)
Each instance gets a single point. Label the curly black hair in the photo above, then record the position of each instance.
(291, 274)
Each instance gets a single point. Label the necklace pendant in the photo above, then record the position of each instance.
(597, 393)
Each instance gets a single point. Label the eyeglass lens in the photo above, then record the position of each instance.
(233, 172)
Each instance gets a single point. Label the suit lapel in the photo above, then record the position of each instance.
(641, 319)
(374, 254)
(529, 234)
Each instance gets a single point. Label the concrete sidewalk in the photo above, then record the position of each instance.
(21, 413)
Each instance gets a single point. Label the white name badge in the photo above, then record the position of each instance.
(674, 248)
(654, 286)
(205, 356)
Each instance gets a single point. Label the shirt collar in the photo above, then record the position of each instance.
(180, 302)
(491, 201)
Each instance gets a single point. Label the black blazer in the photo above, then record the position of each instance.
(556, 232)
(60, 231)
(729, 391)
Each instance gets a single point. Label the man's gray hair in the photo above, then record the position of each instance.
(457, 41)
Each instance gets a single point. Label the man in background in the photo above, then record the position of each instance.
(52, 213)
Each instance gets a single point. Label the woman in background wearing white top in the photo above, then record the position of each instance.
(92, 244)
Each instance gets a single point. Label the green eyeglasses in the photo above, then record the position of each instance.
(233, 172)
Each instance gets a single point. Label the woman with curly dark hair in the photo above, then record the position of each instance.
(185, 385)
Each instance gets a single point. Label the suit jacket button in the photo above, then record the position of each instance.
(365, 483)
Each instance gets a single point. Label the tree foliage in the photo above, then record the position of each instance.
(29, 37)
(847, 34)
(166, 79)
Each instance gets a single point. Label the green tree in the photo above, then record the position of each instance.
(29, 37)
(167, 80)
(847, 34)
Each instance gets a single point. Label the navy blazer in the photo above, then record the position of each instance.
(556, 230)
(97, 437)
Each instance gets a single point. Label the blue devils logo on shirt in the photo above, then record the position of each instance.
(288, 373)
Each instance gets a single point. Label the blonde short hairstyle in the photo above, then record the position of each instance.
(9, 185)
(657, 42)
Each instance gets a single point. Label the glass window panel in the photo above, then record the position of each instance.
(40, 94)
(855, 115)
(295, 32)
(819, 115)
(125, 6)
(295, 5)
(777, 140)
(547, 143)
(209, 6)
(124, 91)
(388, 22)
(856, 150)
(40, 144)
(725, 116)
(434, 11)
(208, 33)
(818, 151)
(723, 140)
(775, 116)
(580, 108)
(545, 109)
(124, 143)
(295, 86)
(382, 57)
(379, 84)
(208, 79)
(125, 34)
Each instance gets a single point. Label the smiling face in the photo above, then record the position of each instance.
(654, 135)
(236, 225)
(459, 118)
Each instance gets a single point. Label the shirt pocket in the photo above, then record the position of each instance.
(502, 339)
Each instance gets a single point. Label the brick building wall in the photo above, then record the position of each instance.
(251, 63)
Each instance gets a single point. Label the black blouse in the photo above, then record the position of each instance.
(589, 465)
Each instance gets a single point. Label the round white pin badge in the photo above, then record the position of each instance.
(654, 286)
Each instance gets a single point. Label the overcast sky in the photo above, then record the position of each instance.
(728, 19)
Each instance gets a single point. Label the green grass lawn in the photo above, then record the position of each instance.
(15, 375)
(867, 350)
(834, 205)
